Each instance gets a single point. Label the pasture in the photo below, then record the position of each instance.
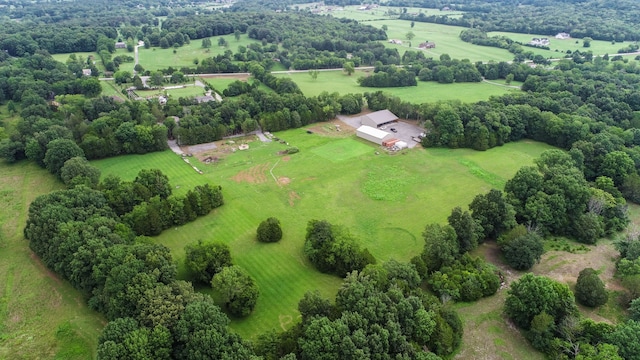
(384, 200)
(559, 47)
(429, 91)
(157, 58)
(41, 316)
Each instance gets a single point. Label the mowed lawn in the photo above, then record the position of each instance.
(426, 91)
(384, 200)
(41, 316)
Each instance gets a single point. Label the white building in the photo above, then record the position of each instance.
(372, 134)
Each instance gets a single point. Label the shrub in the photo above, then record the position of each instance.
(590, 289)
(524, 251)
(269, 230)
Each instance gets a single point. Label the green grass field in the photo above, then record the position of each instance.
(41, 316)
(430, 91)
(158, 58)
(598, 47)
(332, 179)
(447, 37)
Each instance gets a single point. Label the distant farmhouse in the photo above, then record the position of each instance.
(86, 72)
(539, 42)
(427, 45)
(395, 41)
(121, 45)
(378, 118)
(563, 36)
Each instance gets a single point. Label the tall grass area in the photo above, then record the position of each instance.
(429, 91)
(41, 316)
(384, 200)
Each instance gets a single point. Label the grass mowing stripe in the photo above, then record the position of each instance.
(427, 184)
(4, 302)
(490, 178)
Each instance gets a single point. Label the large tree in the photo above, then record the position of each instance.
(78, 171)
(238, 289)
(58, 152)
(206, 259)
(532, 295)
(590, 289)
(269, 230)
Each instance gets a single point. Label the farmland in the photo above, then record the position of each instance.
(333, 179)
(431, 91)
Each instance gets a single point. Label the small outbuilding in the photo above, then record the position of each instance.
(378, 118)
(373, 134)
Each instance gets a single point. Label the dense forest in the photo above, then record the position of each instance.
(95, 233)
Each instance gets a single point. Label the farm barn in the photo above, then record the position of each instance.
(372, 134)
(378, 118)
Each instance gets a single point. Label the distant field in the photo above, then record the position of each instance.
(331, 178)
(447, 37)
(41, 316)
(598, 47)
(109, 88)
(158, 58)
(430, 91)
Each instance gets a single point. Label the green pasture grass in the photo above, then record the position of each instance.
(183, 177)
(426, 91)
(385, 201)
(110, 88)
(157, 58)
(41, 316)
(598, 47)
(64, 57)
(488, 335)
(187, 91)
(220, 83)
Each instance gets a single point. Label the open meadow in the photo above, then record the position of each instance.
(426, 91)
(157, 58)
(384, 200)
(41, 316)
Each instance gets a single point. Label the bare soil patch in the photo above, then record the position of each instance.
(565, 267)
(293, 196)
(286, 158)
(333, 128)
(241, 77)
(223, 148)
(284, 180)
(254, 175)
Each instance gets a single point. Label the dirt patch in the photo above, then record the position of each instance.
(254, 175)
(333, 128)
(565, 267)
(241, 77)
(223, 148)
(284, 180)
(293, 196)
(286, 158)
